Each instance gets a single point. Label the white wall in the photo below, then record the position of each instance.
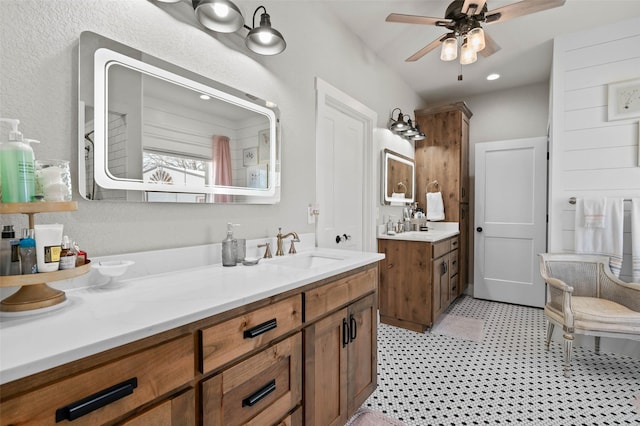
(591, 156)
(38, 85)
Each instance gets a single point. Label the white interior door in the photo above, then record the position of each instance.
(510, 217)
(343, 167)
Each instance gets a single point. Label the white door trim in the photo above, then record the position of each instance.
(329, 96)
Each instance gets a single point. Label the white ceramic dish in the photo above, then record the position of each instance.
(113, 268)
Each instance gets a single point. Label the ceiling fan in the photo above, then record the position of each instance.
(463, 19)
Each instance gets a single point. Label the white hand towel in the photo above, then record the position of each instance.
(605, 241)
(594, 212)
(635, 239)
(435, 206)
(397, 195)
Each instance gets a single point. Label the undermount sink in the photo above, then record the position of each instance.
(308, 260)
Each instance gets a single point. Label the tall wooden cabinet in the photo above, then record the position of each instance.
(443, 156)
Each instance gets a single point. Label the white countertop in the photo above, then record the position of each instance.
(437, 231)
(101, 317)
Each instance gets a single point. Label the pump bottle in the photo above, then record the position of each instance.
(229, 248)
(16, 167)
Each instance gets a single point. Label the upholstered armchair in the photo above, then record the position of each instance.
(584, 297)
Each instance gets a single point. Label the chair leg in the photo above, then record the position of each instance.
(597, 345)
(550, 327)
(568, 344)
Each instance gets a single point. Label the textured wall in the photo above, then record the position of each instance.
(38, 85)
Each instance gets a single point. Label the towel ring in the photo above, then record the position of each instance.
(402, 185)
(434, 183)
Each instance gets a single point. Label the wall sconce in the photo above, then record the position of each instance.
(264, 39)
(221, 16)
(398, 125)
(404, 128)
(224, 16)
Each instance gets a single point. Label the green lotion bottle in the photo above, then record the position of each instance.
(16, 167)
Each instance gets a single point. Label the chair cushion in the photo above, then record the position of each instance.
(591, 313)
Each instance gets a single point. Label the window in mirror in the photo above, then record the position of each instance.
(398, 178)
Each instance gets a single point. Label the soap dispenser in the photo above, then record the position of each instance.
(16, 167)
(229, 248)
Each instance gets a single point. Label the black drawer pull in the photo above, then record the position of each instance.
(100, 399)
(261, 393)
(345, 332)
(353, 325)
(260, 329)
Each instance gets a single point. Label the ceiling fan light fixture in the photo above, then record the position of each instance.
(221, 16)
(467, 54)
(449, 50)
(475, 38)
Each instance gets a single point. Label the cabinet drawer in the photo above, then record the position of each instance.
(454, 290)
(454, 243)
(177, 411)
(453, 263)
(258, 391)
(136, 379)
(329, 297)
(238, 336)
(440, 248)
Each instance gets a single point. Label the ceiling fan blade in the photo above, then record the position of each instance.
(415, 19)
(473, 7)
(490, 46)
(524, 7)
(428, 48)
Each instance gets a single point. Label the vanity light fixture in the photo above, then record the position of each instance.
(420, 136)
(222, 16)
(411, 131)
(398, 125)
(264, 39)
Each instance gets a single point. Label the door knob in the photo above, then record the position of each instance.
(479, 229)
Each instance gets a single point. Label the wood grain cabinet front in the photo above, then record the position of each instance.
(242, 334)
(106, 393)
(261, 390)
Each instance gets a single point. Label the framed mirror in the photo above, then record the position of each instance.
(398, 179)
(150, 131)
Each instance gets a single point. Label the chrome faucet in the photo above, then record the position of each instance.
(280, 237)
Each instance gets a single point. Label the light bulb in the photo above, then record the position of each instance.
(467, 54)
(265, 37)
(475, 38)
(449, 49)
(221, 10)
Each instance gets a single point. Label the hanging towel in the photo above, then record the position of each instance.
(635, 239)
(435, 206)
(398, 195)
(594, 212)
(605, 241)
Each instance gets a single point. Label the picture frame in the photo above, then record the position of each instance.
(250, 156)
(623, 100)
(264, 146)
(257, 176)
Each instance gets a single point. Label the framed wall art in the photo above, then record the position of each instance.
(624, 100)
(250, 156)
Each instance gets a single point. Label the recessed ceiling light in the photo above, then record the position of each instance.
(493, 76)
(205, 97)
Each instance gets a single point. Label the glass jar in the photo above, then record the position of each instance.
(53, 180)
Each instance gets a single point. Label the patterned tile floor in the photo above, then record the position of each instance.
(430, 379)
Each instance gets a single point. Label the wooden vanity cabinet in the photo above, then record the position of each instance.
(418, 281)
(340, 349)
(244, 366)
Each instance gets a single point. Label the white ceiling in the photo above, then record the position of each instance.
(526, 41)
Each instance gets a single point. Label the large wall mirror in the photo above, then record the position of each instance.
(398, 179)
(154, 132)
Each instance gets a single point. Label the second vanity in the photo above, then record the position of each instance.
(418, 276)
(291, 341)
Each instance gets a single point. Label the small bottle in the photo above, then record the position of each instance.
(390, 229)
(5, 250)
(229, 248)
(81, 256)
(67, 255)
(28, 261)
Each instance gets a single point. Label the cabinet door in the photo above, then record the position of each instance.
(325, 343)
(405, 288)
(440, 278)
(178, 411)
(362, 352)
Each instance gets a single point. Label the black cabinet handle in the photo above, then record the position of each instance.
(100, 399)
(353, 325)
(260, 329)
(345, 332)
(258, 395)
